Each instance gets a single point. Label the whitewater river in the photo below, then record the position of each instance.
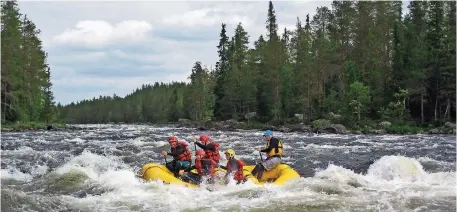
(94, 170)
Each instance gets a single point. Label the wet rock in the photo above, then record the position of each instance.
(434, 131)
(64, 184)
(272, 128)
(340, 129)
(299, 116)
(183, 121)
(251, 115)
(130, 159)
(385, 124)
(202, 128)
(450, 125)
(284, 129)
(306, 128)
(378, 132)
(333, 128)
(129, 148)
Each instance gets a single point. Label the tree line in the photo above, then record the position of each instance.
(26, 94)
(361, 60)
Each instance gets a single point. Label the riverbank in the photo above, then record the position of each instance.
(31, 126)
(321, 126)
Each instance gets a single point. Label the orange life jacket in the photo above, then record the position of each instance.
(186, 155)
(205, 167)
(213, 154)
(239, 169)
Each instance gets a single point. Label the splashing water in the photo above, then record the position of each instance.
(94, 170)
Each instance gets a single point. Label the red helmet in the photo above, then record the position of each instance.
(172, 139)
(200, 152)
(204, 138)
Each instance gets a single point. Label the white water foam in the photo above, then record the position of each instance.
(399, 176)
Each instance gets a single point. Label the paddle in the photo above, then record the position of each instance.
(165, 157)
(191, 179)
(195, 145)
(261, 158)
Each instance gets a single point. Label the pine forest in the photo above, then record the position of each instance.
(362, 61)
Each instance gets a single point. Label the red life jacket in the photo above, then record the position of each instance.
(186, 155)
(213, 155)
(205, 167)
(239, 169)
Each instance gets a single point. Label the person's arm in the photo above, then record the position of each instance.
(206, 147)
(273, 144)
(179, 150)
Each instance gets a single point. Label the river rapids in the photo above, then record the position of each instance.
(94, 169)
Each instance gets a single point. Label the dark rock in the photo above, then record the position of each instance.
(272, 128)
(251, 115)
(299, 116)
(324, 126)
(434, 131)
(450, 125)
(328, 130)
(378, 132)
(385, 124)
(202, 128)
(284, 129)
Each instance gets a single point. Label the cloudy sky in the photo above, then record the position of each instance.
(101, 48)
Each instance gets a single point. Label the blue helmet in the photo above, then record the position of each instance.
(267, 133)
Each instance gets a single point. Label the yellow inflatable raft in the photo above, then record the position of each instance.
(278, 176)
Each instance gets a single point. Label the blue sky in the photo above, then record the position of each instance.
(101, 48)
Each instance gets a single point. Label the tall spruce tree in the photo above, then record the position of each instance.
(362, 60)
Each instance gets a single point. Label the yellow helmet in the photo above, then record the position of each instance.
(230, 152)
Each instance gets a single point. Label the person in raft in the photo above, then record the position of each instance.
(206, 168)
(211, 148)
(182, 158)
(274, 151)
(233, 166)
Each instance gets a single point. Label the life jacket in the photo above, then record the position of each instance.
(238, 165)
(213, 155)
(275, 151)
(185, 155)
(205, 167)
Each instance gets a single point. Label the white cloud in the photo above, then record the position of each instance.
(97, 33)
(206, 17)
(81, 57)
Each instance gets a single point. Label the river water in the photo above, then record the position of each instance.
(94, 170)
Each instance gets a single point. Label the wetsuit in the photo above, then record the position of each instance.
(181, 159)
(205, 167)
(234, 165)
(274, 151)
(211, 150)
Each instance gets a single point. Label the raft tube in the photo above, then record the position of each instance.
(277, 176)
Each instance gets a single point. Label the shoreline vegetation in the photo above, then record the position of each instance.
(321, 126)
(354, 67)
